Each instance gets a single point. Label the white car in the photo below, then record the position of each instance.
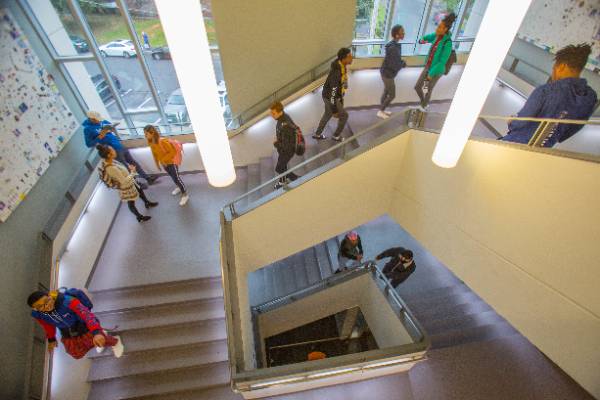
(119, 48)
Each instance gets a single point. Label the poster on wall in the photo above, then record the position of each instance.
(36, 122)
(554, 24)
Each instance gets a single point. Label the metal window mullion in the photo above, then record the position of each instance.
(391, 8)
(143, 63)
(462, 10)
(89, 35)
(86, 57)
(423, 24)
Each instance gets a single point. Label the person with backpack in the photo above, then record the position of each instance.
(400, 266)
(116, 176)
(100, 131)
(286, 142)
(351, 252)
(69, 311)
(333, 93)
(167, 154)
(439, 60)
(392, 63)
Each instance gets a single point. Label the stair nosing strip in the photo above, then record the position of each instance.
(155, 306)
(211, 279)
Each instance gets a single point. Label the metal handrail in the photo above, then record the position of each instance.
(306, 162)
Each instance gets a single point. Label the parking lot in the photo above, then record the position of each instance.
(135, 92)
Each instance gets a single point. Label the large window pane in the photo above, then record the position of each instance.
(65, 34)
(471, 22)
(439, 9)
(371, 19)
(409, 14)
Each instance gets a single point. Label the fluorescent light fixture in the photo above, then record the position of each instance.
(389, 363)
(496, 33)
(334, 372)
(276, 382)
(183, 24)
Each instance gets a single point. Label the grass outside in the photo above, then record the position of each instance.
(108, 27)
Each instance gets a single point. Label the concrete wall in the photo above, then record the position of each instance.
(265, 44)
(21, 244)
(517, 226)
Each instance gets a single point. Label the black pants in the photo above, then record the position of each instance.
(389, 92)
(282, 165)
(131, 203)
(341, 113)
(173, 171)
(425, 97)
(125, 158)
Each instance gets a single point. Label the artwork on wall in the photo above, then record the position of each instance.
(36, 122)
(553, 24)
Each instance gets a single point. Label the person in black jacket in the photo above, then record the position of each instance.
(333, 95)
(351, 251)
(400, 266)
(392, 63)
(285, 142)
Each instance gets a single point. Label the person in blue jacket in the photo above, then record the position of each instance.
(100, 131)
(392, 63)
(567, 96)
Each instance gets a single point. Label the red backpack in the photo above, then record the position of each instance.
(178, 151)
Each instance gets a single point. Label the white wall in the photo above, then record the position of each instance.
(518, 226)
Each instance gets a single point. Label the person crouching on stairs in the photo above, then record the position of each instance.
(168, 154)
(116, 176)
(79, 328)
(286, 132)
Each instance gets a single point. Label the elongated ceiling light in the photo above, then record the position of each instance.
(496, 33)
(183, 24)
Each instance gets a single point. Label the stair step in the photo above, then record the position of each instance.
(311, 266)
(462, 322)
(323, 260)
(476, 334)
(442, 302)
(267, 171)
(151, 295)
(253, 181)
(138, 386)
(417, 294)
(332, 252)
(158, 360)
(256, 294)
(169, 336)
(298, 264)
(269, 288)
(169, 314)
(215, 393)
(452, 311)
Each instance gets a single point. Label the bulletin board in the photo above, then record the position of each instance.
(34, 118)
(553, 24)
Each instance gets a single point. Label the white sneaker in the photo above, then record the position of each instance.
(382, 115)
(388, 112)
(118, 348)
(423, 109)
(184, 199)
(99, 349)
(176, 191)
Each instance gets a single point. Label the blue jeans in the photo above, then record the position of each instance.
(125, 158)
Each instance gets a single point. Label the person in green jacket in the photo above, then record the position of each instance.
(437, 58)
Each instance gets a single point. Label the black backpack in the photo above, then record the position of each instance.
(451, 60)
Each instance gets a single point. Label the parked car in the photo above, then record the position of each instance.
(119, 48)
(161, 53)
(175, 109)
(102, 87)
(80, 45)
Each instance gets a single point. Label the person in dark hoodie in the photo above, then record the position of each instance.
(392, 63)
(100, 131)
(400, 266)
(351, 252)
(333, 95)
(567, 96)
(285, 142)
(79, 328)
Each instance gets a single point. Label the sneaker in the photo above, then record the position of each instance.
(176, 191)
(184, 199)
(388, 112)
(144, 218)
(278, 185)
(99, 349)
(151, 204)
(142, 185)
(318, 137)
(337, 138)
(382, 115)
(118, 348)
(422, 109)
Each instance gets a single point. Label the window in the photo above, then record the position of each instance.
(409, 14)
(439, 9)
(371, 18)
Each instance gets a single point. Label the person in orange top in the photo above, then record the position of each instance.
(166, 156)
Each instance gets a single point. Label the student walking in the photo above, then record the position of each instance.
(351, 252)
(567, 96)
(400, 266)
(437, 59)
(333, 93)
(286, 136)
(100, 131)
(392, 63)
(116, 176)
(167, 154)
(69, 312)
